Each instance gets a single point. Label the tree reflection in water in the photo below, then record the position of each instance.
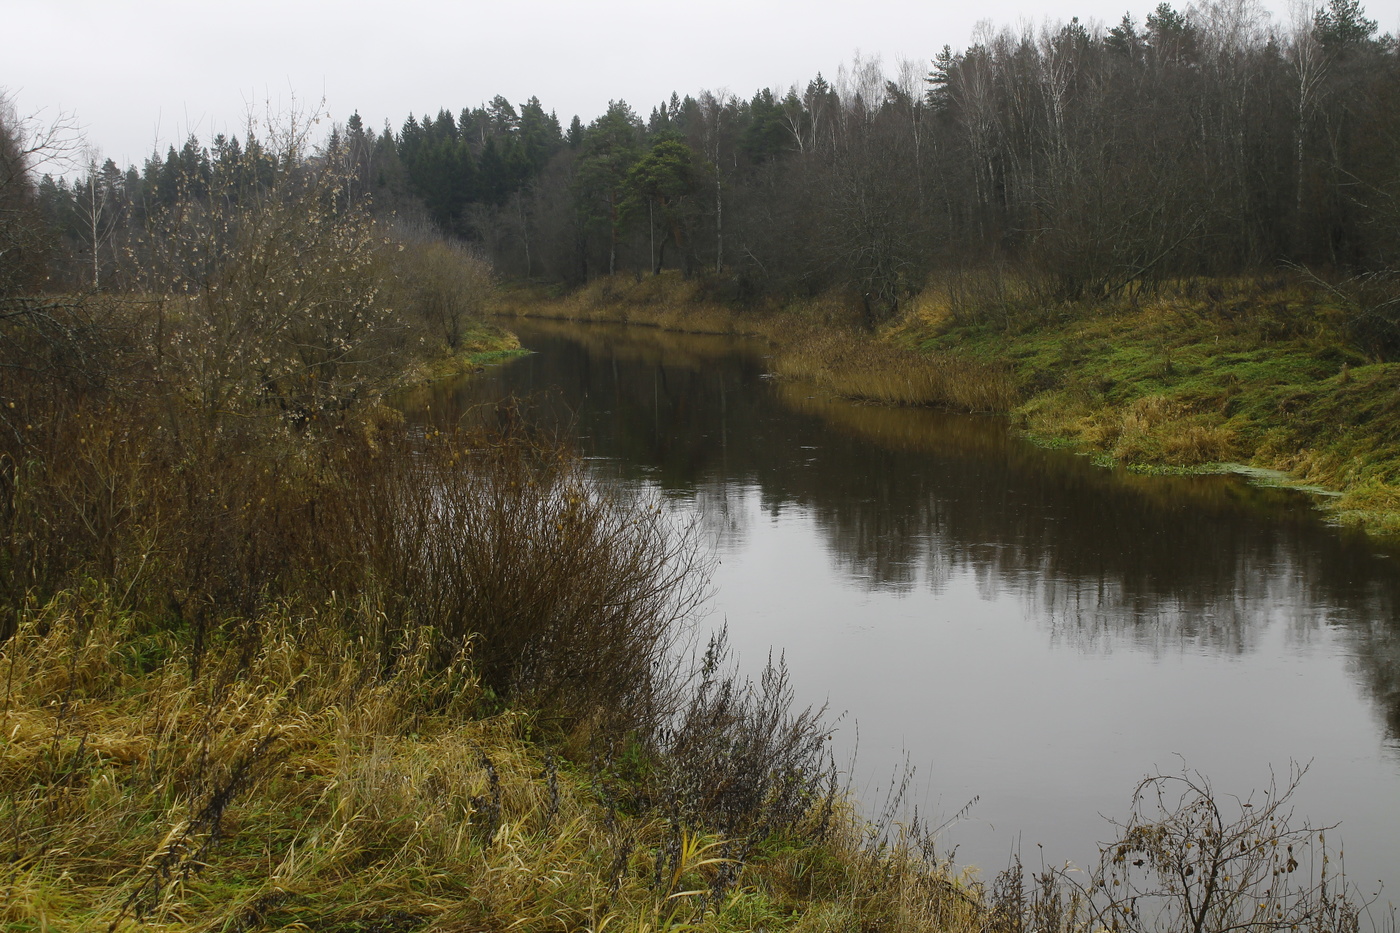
(912, 501)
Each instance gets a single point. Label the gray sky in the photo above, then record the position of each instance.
(139, 76)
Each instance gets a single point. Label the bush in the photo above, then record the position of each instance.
(739, 759)
(572, 594)
(1372, 321)
(445, 283)
(1190, 860)
(273, 284)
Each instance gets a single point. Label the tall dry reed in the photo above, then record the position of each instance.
(854, 365)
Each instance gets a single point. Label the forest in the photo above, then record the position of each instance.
(1084, 163)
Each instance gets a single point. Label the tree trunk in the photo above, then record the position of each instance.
(719, 219)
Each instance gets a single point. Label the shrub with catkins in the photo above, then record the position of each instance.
(274, 285)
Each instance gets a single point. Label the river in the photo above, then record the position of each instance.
(1016, 624)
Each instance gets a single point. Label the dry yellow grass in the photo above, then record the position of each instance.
(288, 784)
(814, 339)
(854, 365)
(668, 301)
(1150, 429)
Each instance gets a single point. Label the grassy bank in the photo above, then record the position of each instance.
(1199, 375)
(1207, 375)
(280, 660)
(480, 345)
(294, 782)
(817, 340)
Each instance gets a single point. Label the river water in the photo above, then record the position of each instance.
(1015, 624)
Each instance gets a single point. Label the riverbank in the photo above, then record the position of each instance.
(291, 782)
(480, 345)
(1253, 375)
(356, 677)
(316, 667)
(282, 775)
(1207, 376)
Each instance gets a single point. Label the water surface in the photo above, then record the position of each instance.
(1020, 626)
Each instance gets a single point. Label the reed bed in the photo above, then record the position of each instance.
(852, 365)
(668, 301)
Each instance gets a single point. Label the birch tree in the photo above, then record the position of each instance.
(713, 107)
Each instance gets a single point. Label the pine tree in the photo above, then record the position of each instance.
(1342, 26)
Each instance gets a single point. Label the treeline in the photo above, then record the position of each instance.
(1082, 161)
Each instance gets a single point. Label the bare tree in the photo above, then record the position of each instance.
(98, 213)
(906, 93)
(27, 145)
(1309, 64)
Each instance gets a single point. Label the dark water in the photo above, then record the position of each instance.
(1019, 625)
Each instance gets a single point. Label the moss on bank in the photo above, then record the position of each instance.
(1198, 376)
(481, 345)
(1204, 378)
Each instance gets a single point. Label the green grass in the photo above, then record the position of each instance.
(1176, 384)
(481, 345)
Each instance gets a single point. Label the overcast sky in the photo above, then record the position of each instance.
(141, 76)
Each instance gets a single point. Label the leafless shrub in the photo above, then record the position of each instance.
(1189, 860)
(740, 758)
(276, 283)
(443, 282)
(982, 294)
(571, 593)
(1372, 305)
